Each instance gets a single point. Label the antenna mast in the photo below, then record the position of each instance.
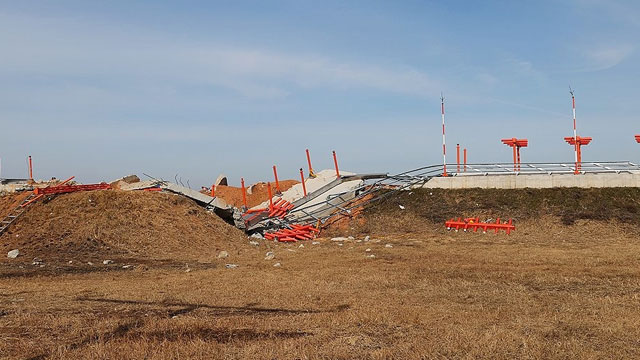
(444, 146)
(575, 132)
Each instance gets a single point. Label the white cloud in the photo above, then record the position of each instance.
(606, 57)
(627, 12)
(67, 48)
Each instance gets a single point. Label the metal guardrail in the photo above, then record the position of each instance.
(413, 178)
(616, 167)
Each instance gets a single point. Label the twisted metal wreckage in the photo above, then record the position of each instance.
(326, 196)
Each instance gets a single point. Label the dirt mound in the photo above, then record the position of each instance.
(10, 202)
(259, 193)
(101, 224)
(424, 208)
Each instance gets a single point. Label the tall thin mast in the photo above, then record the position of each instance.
(444, 146)
(575, 132)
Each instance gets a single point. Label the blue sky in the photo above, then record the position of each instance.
(197, 88)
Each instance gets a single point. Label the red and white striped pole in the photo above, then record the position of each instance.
(444, 146)
(575, 132)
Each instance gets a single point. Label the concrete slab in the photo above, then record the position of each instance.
(312, 185)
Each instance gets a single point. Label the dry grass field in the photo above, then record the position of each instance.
(549, 290)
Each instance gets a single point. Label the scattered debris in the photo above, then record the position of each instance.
(107, 262)
(254, 243)
(339, 239)
(315, 243)
(388, 246)
(223, 254)
(127, 266)
(231, 266)
(277, 265)
(371, 256)
(367, 238)
(270, 256)
(90, 263)
(401, 207)
(13, 254)
(368, 250)
(257, 236)
(295, 233)
(37, 262)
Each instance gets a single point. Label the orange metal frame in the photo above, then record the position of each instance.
(475, 224)
(578, 144)
(516, 144)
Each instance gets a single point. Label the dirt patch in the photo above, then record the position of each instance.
(11, 201)
(102, 224)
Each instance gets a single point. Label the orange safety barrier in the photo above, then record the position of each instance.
(475, 224)
(638, 138)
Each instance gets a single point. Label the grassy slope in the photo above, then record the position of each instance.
(569, 205)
